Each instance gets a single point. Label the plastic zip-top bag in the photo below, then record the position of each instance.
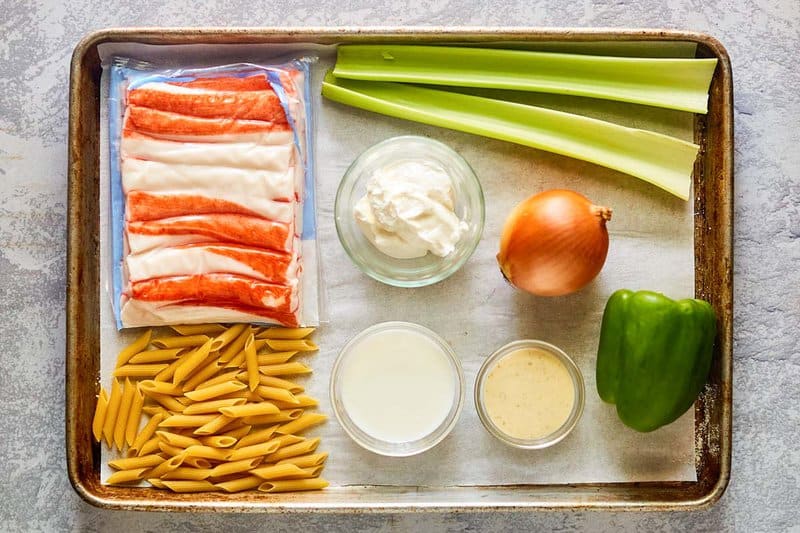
(212, 195)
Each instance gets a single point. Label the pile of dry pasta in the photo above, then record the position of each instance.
(222, 416)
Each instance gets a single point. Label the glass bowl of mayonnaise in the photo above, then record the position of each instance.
(409, 211)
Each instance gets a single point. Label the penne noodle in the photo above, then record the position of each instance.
(259, 343)
(230, 334)
(284, 369)
(157, 483)
(160, 387)
(256, 437)
(277, 471)
(249, 409)
(181, 341)
(301, 448)
(283, 416)
(134, 415)
(173, 439)
(190, 486)
(275, 393)
(306, 473)
(251, 363)
(150, 446)
(167, 373)
(183, 400)
(213, 426)
(285, 333)
(238, 433)
(192, 361)
(152, 410)
(287, 440)
(111, 412)
(132, 349)
(168, 465)
(199, 329)
(211, 406)
(236, 346)
(240, 484)
(207, 452)
(187, 473)
(139, 371)
(100, 410)
(132, 463)
(302, 401)
(306, 461)
(222, 378)
(293, 485)
(127, 476)
(271, 381)
(275, 358)
(213, 391)
(242, 395)
(198, 462)
(167, 401)
(237, 361)
(281, 345)
(204, 373)
(255, 450)
(186, 421)
(305, 421)
(218, 441)
(155, 356)
(169, 449)
(235, 467)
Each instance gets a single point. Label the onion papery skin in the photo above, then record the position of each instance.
(554, 243)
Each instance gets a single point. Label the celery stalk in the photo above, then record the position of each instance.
(662, 160)
(671, 83)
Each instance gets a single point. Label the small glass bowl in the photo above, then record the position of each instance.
(388, 448)
(577, 404)
(469, 207)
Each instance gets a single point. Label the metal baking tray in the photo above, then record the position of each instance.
(713, 228)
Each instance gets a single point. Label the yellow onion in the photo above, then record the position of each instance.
(554, 243)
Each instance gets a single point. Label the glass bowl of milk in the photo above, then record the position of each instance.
(409, 211)
(397, 389)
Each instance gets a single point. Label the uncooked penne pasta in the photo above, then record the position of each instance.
(134, 416)
(132, 463)
(240, 484)
(249, 409)
(135, 347)
(238, 433)
(168, 402)
(275, 358)
(237, 360)
(218, 441)
(174, 439)
(100, 410)
(190, 486)
(255, 450)
(160, 387)
(187, 473)
(111, 412)
(302, 345)
(251, 364)
(157, 483)
(207, 452)
(169, 449)
(211, 406)
(305, 473)
(213, 391)
(236, 346)
(153, 409)
(283, 416)
(287, 440)
(235, 467)
(306, 461)
(272, 381)
(302, 401)
(285, 333)
(181, 341)
(197, 462)
(256, 437)
(191, 361)
(292, 485)
(214, 426)
(155, 356)
(230, 334)
(150, 446)
(284, 369)
(305, 421)
(167, 373)
(126, 476)
(199, 329)
(139, 371)
(275, 393)
(277, 471)
(186, 421)
(204, 373)
(222, 378)
(301, 448)
(167, 466)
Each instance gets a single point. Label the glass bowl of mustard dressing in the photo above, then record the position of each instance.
(529, 394)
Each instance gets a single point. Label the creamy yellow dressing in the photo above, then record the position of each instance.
(529, 394)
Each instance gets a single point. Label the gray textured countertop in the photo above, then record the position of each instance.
(763, 39)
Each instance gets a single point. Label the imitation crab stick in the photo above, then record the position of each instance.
(242, 229)
(154, 176)
(204, 100)
(265, 265)
(217, 289)
(139, 313)
(148, 206)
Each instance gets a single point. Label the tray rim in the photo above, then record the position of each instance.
(240, 35)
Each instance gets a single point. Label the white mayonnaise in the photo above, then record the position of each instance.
(409, 210)
(397, 385)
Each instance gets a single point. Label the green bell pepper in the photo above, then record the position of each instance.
(654, 356)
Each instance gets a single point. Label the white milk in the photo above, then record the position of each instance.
(397, 385)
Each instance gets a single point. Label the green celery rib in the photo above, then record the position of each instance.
(671, 83)
(664, 161)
